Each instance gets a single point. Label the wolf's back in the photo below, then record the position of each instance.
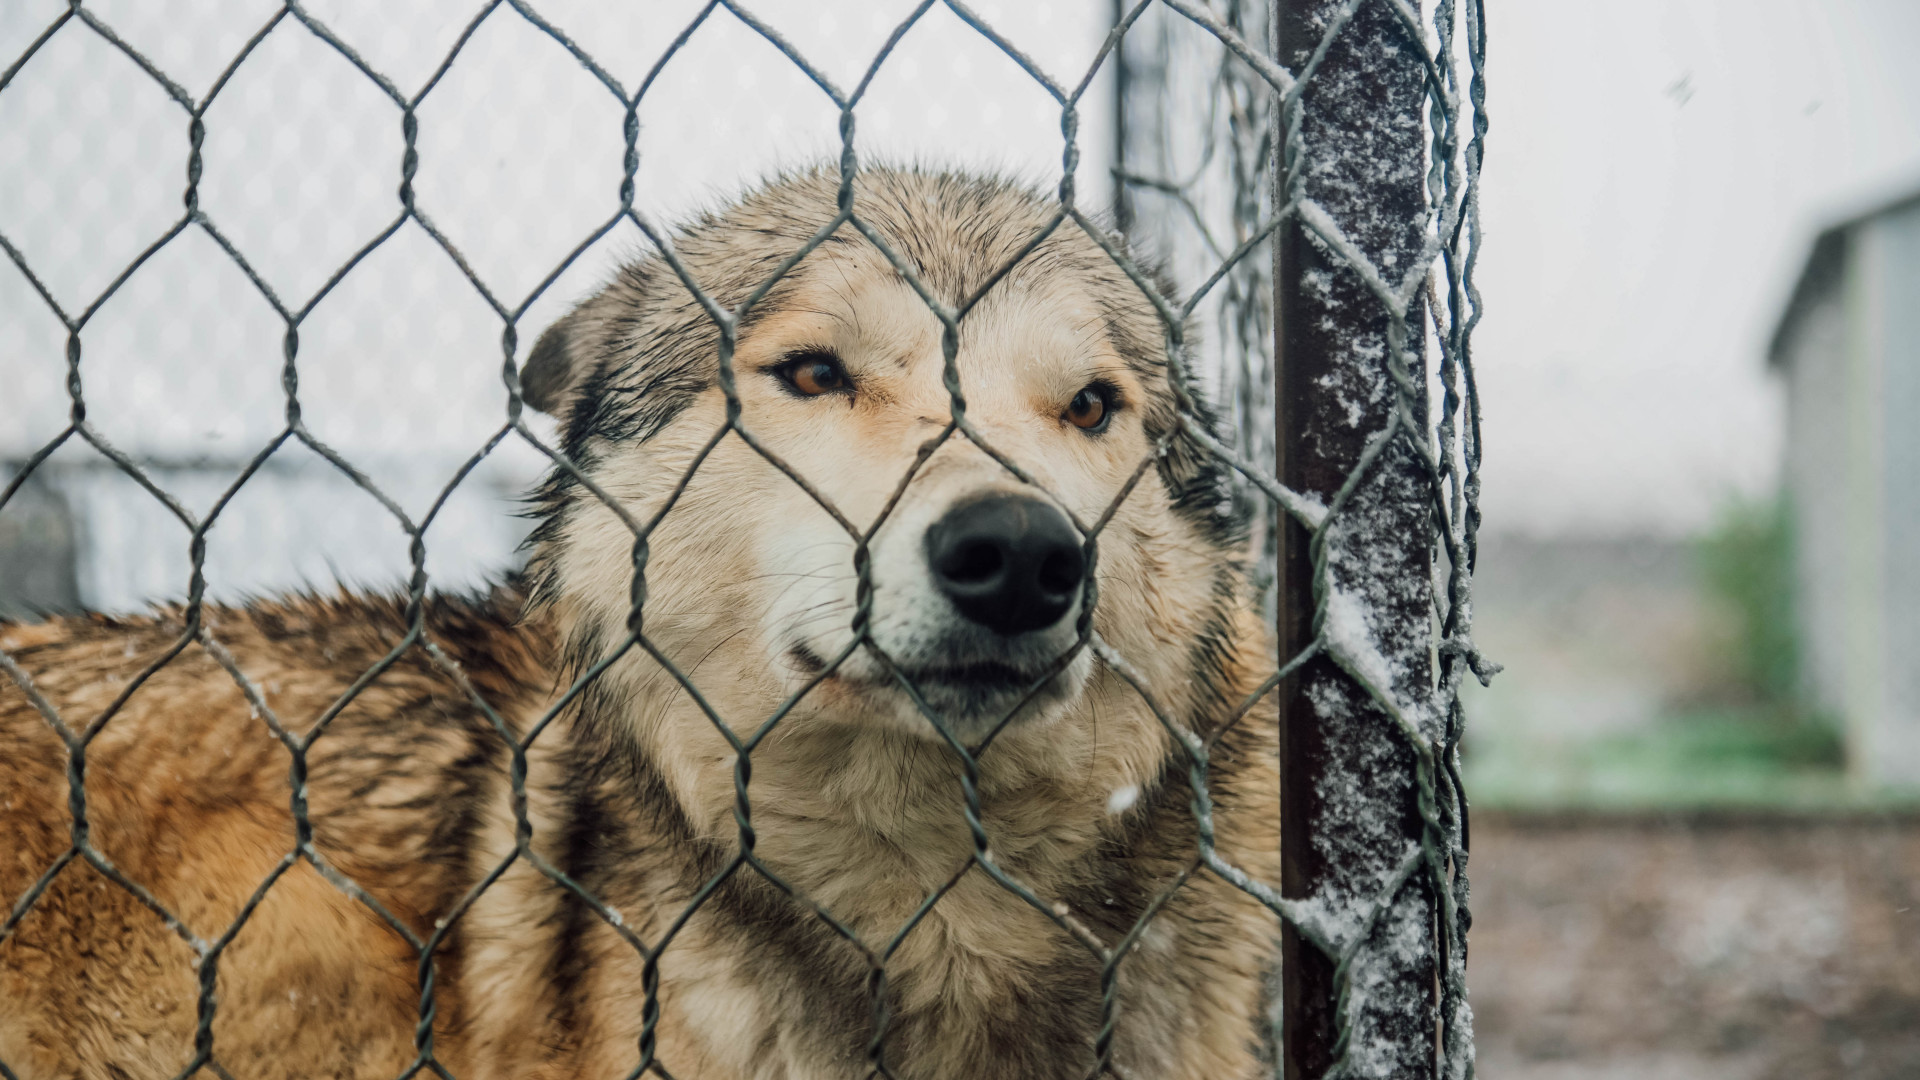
(189, 811)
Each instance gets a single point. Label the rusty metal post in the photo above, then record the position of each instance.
(1353, 144)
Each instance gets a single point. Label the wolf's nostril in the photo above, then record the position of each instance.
(974, 561)
(1011, 563)
(1062, 571)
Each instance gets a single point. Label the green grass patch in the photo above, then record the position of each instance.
(1713, 758)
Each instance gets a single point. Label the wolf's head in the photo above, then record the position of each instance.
(986, 583)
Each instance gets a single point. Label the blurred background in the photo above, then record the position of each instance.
(1697, 838)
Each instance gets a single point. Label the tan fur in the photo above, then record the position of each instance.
(856, 803)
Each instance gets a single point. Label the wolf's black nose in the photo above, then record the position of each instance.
(1009, 562)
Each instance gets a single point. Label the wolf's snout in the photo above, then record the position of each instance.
(1011, 563)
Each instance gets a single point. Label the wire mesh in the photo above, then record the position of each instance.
(1248, 172)
(1195, 164)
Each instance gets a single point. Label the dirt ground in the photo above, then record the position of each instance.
(1696, 948)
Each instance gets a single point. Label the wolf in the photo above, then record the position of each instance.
(866, 744)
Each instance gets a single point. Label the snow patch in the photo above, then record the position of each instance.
(1350, 639)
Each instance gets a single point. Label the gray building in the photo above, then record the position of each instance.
(1848, 346)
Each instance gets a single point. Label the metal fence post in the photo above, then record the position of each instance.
(1122, 83)
(1353, 145)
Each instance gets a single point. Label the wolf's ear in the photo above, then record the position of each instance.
(556, 366)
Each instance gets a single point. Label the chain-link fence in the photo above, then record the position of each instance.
(1195, 157)
(1312, 166)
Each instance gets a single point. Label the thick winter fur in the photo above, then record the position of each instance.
(856, 801)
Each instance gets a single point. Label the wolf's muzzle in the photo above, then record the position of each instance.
(1011, 563)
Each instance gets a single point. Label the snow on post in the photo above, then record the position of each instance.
(1373, 168)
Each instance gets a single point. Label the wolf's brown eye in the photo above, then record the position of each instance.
(813, 374)
(1090, 409)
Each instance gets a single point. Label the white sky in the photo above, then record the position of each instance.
(1656, 171)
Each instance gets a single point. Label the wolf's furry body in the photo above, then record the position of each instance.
(855, 803)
